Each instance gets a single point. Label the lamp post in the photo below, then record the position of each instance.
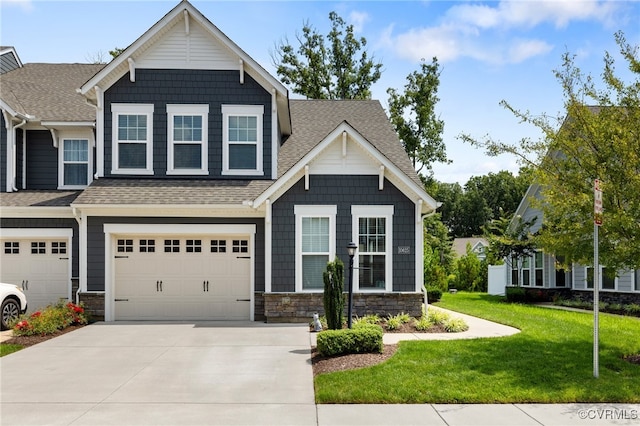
(351, 249)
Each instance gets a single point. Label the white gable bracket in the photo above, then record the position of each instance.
(241, 71)
(54, 136)
(132, 70)
(381, 179)
(186, 21)
(344, 144)
(306, 177)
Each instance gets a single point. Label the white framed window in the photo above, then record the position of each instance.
(538, 264)
(608, 278)
(315, 244)
(187, 139)
(242, 144)
(132, 139)
(636, 276)
(373, 231)
(75, 163)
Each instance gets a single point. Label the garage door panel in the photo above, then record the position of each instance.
(197, 278)
(40, 266)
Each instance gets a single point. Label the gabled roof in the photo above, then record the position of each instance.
(185, 14)
(9, 59)
(47, 92)
(459, 245)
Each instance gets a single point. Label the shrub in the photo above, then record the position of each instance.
(333, 298)
(516, 294)
(360, 339)
(433, 294)
(404, 318)
(632, 309)
(51, 319)
(455, 325)
(422, 323)
(394, 322)
(367, 319)
(438, 317)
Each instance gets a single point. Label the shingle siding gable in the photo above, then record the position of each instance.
(162, 87)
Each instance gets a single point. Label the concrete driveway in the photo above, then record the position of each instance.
(163, 374)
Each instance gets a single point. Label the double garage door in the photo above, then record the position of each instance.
(182, 277)
(40, 265)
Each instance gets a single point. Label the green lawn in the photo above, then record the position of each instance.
(550, 361)
(6, 349)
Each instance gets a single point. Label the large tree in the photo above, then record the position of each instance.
(414, 117)
(601, 141)
(334, 71)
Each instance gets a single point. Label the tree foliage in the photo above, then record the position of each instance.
(468, 271)
(333, 297)
(414, 118)
(333, 70)
(599, 139)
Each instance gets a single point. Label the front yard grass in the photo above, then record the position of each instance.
(549, 361)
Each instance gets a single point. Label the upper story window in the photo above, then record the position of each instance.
(187, 139)
(132, 148)
(242, 142)
(75, 163)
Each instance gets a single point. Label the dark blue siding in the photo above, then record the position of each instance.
(42, 161)
(8, 223)
(342, 191)
(96, 249)
(162, 87)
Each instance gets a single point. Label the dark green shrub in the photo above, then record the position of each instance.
(333, 298)
(433, 294)
(516, 295)
(362, 338)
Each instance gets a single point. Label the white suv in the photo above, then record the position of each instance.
(14, 303)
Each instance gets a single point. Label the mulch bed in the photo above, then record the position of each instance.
(33, 340)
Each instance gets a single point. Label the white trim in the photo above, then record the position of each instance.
(99, 132)
(250, 111)
(302, 211)
(600, 276)
(419, 244)
(40, 212)
(268, 241)
(275, 136)
(131, 109)
(392, 172)
(113, 229)
(191, 110)
(374, 211)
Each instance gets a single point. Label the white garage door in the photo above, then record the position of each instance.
(40, 266)
(182, 278)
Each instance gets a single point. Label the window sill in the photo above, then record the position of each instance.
(242, 173)
(132, 172)
(187, 172)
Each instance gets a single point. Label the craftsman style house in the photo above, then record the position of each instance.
(542, 272)
(180, 182)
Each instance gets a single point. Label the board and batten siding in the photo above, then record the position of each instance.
(192, 87)
(96, 248)
(42, 161)
(343, 192)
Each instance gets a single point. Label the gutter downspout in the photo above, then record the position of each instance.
(82, 249)
(14, 157)
(424, 286)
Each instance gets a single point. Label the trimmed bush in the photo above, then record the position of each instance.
(333, 298)
(516, 295)
(433, 294)
(50, 320)
(361, 339)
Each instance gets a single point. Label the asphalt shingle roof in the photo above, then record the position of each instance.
(38, 198)
(48, 91)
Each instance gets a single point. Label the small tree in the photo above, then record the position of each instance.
(511, 242)
(468, 276)
(333, 294)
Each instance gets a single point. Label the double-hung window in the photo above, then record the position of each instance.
(607, 278)
(75, 163)
(242, 139)
(187, 139)
(132, 139)
(315, 244)
(372, 229)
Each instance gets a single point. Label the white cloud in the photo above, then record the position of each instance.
(483, 32)
(522, 50)
(358, 19)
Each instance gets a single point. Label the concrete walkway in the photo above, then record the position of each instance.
(217, 373)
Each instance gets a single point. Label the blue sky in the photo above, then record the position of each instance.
(488, 51)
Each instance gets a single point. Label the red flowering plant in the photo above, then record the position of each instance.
(50, 319)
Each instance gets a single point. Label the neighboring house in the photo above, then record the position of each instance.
(180, 182)
(478, 245)
(541, 271)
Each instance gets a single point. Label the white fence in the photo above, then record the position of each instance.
(497, 279)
